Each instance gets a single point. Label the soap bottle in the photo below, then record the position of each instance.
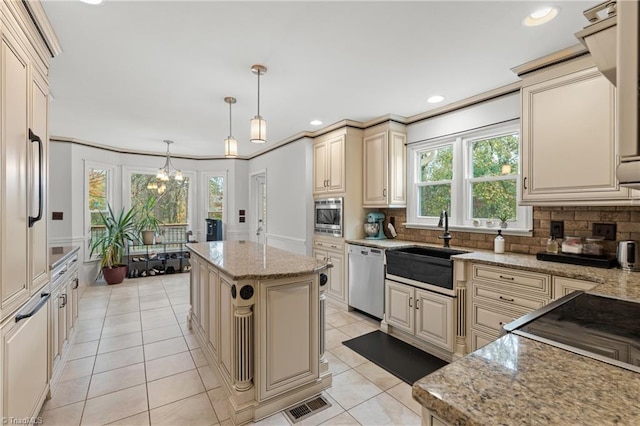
(498, 243)
(552, 245)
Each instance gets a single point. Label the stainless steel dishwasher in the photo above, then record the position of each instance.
(366, 279)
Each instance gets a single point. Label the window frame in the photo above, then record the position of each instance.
(93, 165)
(126, 188)
(205, 193)
(461, 194)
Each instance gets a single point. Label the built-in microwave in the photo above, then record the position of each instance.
(328, 216)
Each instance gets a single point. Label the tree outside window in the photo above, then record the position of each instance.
(435, 177)
(173, 197)
(216, 197)
(98, 190)
(493, 177)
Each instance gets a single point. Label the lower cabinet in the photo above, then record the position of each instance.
(23, 351)
(333, 252)
(500, 295)
(424, 314)
(563, 286)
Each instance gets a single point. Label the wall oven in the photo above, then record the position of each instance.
(328, 216)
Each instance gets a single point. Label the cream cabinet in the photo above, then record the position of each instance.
(500, 295)
(214, 309)
(333, 253)
(329, 167)
(27, 42)
(423, 314)
(568, 112)
(563, 286)
(384, 169)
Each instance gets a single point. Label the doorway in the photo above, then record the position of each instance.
(258, 226)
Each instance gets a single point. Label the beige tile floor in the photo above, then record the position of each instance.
(135, 362)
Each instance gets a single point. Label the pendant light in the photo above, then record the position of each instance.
(258, 125)
(230, 143)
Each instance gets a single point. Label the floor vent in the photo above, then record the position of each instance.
(307, 408)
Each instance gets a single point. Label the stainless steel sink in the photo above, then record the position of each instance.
(429, 265)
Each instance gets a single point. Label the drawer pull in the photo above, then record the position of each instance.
(410, 302)
(507, 299)
(507, 278)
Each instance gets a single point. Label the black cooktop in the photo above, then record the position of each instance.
(601, 327)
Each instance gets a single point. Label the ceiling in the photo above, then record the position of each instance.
(133, 73)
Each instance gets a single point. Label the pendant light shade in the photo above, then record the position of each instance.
(230, 143)
(165, 171)
(258, 124)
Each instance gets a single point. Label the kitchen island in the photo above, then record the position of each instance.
(258, 314)
(518, 381)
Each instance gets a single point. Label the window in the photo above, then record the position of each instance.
(474, 176)
(98, 195)
(215, 197)
(172, 207)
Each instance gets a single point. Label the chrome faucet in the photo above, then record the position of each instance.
(446, 236)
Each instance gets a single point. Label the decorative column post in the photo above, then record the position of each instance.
(243, 348)
(460, 279)
(324, 364)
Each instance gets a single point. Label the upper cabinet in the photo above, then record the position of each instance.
(384, 166)
(329, 165)
(569, 146)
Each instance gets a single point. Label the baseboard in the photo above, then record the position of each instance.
(424, 346)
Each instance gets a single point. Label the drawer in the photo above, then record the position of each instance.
(328, 245)
(506, 298)
(481, 338)
(492, 318)
(563, 286)
(529, 281)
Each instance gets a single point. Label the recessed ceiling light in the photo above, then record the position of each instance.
(541, 16)
(93, 2)
(435, 99)
(315, 122)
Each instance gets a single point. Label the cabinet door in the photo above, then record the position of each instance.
(336, 165)
(572, 116)
(54, 329)
(320, 168)
(14, 90)
(434, 318)
(375, 169)
(397, 190)
(225, 357)
(214, 310)
(563, 286)
(38, 247)
(337, 286)
(399, 306)
(194, 294)
(203, 291)
(24, 363)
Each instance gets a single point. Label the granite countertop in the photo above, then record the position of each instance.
(519, 381)
(515, 380)
(59, 255)
(246, 260)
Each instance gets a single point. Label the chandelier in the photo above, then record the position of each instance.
(258, 124)
(165, 171)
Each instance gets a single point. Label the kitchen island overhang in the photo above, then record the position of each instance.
(259, 315)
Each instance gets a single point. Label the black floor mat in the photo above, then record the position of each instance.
(397, 357)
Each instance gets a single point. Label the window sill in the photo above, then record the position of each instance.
(474, 229)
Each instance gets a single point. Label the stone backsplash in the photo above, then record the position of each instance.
(578, 221)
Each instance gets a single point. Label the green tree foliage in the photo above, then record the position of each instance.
(172, 204)
(494, 169)
(97, 194)
(216, 197)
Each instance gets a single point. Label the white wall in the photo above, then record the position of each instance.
(67, 192)
(494, 111)
(289, 195)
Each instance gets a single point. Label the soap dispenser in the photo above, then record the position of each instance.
(498, 243)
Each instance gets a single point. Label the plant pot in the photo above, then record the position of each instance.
(114, 275)
(147, 237)
(504, 224)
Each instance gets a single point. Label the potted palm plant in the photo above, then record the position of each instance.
(147, 222)
(119, 231)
